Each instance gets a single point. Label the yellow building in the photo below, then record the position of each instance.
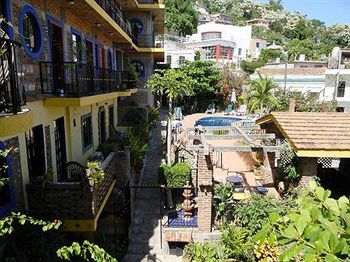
(79, 58)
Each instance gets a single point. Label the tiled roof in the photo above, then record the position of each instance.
(323, 134)
(293, 71)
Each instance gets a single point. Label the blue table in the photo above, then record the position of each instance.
(235, 180)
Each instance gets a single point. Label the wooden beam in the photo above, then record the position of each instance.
(232, 137)
(233, 148)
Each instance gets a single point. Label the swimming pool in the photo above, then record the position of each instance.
(216, 121)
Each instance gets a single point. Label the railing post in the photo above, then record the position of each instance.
(77, 79)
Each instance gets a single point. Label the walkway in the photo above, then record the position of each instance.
(145, 228)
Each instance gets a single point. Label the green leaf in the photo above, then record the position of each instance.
(290, 253)
(290, 232)
(261, 235)
(332, 204)
(273, 218)
(300, 224)
(319, 193)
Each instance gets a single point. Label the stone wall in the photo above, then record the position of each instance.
(308, 170)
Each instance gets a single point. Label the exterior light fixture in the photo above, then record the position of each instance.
(71, 2)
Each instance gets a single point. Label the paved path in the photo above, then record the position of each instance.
(145, 239)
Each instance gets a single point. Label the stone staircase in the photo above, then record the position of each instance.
(145, 229)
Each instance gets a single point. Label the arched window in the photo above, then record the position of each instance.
(136, 25)
(31, 32)
(139, 67)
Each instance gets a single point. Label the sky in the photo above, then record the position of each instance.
(328, 11)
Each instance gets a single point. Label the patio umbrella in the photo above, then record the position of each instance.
(233, 97)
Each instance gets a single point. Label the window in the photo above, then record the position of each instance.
(211, 54)
(136, 25)
(341, 89)
(168, 59)
(181, 60)
(139, 67)
(339, 109)
(86, 132)
(76, 47)
(224, 52)
(30, 31)
(257, 44)
(239, 51)
(211, 35)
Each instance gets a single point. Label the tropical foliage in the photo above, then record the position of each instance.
(181, 17)
(261, 97)
(316, 230)
(175, 175)
(222, 198)
(87, 251)
(173, 83)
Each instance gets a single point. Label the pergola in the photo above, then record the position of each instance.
(312, 135)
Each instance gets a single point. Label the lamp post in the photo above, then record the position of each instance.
(285, 72)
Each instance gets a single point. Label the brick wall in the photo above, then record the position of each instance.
(308, 170)
(205, 195)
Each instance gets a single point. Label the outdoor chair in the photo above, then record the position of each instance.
(229, 109)
(210, 109)
(178, 114)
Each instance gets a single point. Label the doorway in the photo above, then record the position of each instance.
(56, 41)
(35, 152)
(60, 143)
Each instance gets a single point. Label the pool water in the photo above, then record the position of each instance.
(216, 121)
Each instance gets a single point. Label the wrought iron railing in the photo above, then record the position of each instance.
(77, 79)
(147, 40)
(116, 13)
(11, 77)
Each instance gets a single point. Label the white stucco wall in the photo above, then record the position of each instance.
(239, 35)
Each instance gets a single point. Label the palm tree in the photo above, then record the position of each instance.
(175, 84)
(260, 96)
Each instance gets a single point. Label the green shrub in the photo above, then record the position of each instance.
(317, 230)
(203, 252)
(237, 243)
(174, 176)
(255, 212)
(222, 197)
(153, 116)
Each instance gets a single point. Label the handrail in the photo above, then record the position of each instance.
(11, 77)
(78, 79)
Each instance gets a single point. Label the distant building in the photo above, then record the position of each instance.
(256, 46)
(259, 22)
(307, 81)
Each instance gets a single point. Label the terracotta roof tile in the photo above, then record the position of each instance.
(313, 131)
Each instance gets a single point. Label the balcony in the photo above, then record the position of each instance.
(149, 41)
(78, 202)
(79, 80)
(152, 2)
(116, 13)
(12, 97)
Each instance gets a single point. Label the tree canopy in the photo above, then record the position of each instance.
(181, 16)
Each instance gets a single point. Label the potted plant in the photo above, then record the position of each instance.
(94, 172)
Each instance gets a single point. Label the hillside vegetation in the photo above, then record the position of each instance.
(294, 31)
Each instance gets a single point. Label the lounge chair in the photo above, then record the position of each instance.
(210, 109)
(178, 114)
(229, 109)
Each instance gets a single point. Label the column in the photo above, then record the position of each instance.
(205, 197)
(308, 170)
(218, 52)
